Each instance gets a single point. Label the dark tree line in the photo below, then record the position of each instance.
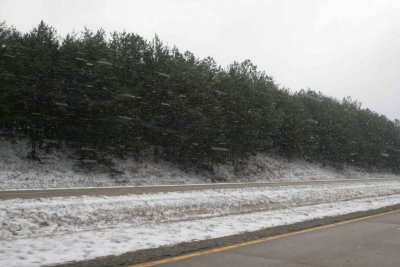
(122, 95)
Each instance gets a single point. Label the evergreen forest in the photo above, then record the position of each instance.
(118, 95)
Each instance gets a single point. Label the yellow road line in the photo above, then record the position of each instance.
(258, 241)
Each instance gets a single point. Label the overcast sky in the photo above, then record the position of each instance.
(340, 47)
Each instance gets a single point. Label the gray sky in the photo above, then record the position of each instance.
(339, 47)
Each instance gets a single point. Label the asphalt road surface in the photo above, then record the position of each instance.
(373, 242)
(117, 191)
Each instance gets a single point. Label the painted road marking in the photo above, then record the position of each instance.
(258, 241)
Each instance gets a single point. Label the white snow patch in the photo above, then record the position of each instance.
(58, 171)
(48, 231)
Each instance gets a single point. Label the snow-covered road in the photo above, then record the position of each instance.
(47, 231)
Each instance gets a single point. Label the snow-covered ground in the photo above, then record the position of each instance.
(58, 170)
(48, 231)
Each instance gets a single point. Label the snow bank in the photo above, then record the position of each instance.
(38, 232)
(75, 246)
(20, 217)
(58, 170)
